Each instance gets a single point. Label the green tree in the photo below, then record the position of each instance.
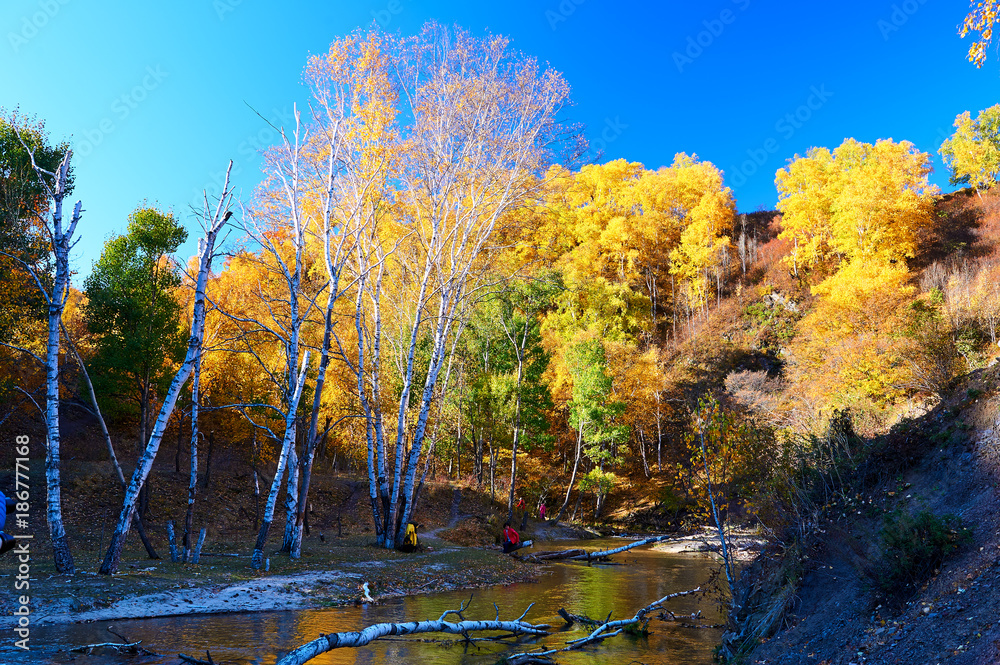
(595, 417)
(973, 151)
(132, 309)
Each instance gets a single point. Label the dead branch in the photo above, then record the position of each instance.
(117, 646)
(123, 647)
(599, 633)
(582, 555)
(360, 638)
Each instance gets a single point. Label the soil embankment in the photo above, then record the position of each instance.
(828, 583)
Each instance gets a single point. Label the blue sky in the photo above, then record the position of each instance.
(156, 97)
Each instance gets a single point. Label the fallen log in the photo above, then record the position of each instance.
(552, 555)
(603, 554)
(360, 638)
(583, 555)
(117, 646)
(598, 634)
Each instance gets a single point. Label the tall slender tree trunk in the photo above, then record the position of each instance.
(288, 442)
(206, 248)
(572, 477)
(291, 497)
(193, 475)
(208, 461)
(61, 242)
(180, 442)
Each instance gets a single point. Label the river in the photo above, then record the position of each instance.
(260, 638)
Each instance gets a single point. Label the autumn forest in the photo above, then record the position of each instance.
(438, 282)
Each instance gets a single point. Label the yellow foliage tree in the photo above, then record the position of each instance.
(849, 349)
(861, 201)
(708, 210)
(981, 18)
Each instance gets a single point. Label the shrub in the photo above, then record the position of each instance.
(913, 547)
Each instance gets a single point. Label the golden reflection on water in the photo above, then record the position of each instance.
(260, 638)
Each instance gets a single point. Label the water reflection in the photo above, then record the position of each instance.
(260, 638)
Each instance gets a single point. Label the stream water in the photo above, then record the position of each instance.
(261, 638)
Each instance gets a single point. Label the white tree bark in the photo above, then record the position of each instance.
(360, 638)
(61, 240)
(257, 559)
(193, 472)
(206, 252)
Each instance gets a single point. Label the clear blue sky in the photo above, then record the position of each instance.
(154, 96)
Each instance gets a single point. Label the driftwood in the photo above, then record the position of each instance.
(325, 643)
(598, 634)
(197, 661)
(553, 555)
(124, 647)
(602, 630)
(582, 555)
(118, 646)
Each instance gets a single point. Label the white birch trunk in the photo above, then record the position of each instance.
(257, 559)
(206, 251)
(61, 243)
(193, 474)
(291, 494)
(360, 638)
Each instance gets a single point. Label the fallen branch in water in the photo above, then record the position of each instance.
(582, 555)
(126, 646)
(603, 554)
(196, 661)
(552, 555)
(598, 634)
(360, 638)
(118, 646)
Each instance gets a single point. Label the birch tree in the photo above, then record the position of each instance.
(304, 221)
(213, 222)
(473, 125)
(277, 223)
(54, 288)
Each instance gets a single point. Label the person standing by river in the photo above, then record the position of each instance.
(541, 512)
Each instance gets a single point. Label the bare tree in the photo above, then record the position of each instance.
(213, 224)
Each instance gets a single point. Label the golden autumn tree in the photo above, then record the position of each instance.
(849, 350)
(981, 18)
(806, 188)
(862, 201)
(709, 208)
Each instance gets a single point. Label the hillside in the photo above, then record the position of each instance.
(834, 591)
(946, 462)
